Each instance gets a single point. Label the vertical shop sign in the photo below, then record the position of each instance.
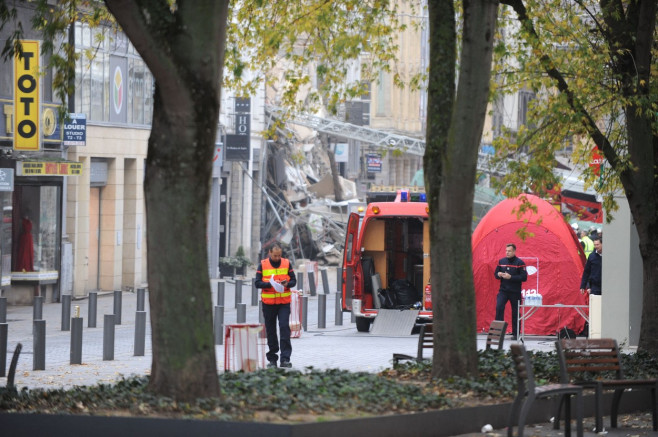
(27, 135)
(237, 145)
(118, 85)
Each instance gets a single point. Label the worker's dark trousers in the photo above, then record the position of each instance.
(270, 314)
(501, 302)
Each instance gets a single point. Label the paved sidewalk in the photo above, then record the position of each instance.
(336, 346)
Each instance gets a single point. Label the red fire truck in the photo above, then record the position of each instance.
(387, 241)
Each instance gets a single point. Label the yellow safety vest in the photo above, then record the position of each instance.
(269, 295)
(589, 246)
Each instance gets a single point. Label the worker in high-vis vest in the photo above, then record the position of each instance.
(587, 243)
(275, 277)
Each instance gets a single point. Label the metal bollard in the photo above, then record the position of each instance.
(300, 282)
(3, 310)
(92, 310)
(220, 293)
(338, 321)
(37, 308)
(305, 313)
(238, 292)
(325, 281)
(261, 317)
(242, 313)
(339, 280)
(352, 317)
(117, 306)
(39, 345)
(4, 335)
(108, 337)
(311, 283)
(140, 333)
(219, 324)
(254, 293)
(66, 312)
(141, 293)
(322, 311)
(76, 337)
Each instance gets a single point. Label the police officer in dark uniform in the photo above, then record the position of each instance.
(511, 273)
(591, 280)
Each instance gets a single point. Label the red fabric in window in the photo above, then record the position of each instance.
(25, 261)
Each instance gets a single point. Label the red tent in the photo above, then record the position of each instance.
(552, 254)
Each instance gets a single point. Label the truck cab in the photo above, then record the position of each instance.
(387, 242)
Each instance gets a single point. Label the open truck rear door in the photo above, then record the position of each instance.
(350, 259)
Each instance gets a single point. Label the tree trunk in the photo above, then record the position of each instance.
(184, 51)
(333, 165)
(440, 100)
(455, 295)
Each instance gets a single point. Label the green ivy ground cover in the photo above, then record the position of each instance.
(276, 394)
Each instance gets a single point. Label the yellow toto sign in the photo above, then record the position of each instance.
(26, 98)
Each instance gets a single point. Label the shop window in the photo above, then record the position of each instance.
(35, 224)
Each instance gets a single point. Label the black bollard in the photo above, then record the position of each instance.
(92, 310)
(66, 312)
(300, 282)
(325, 281)
(140, 333)
(141, 293)
(219, 324)
(220, 293)
(108, 337)
(3, 310)
(76, 339)
(305, 313)
(37, 308)
(338, 321)
(39, 345)
(117, 306)
(242, 313)
(322, 311)
(254, 293)
(311, 283)
(4, 336)
(238, 292)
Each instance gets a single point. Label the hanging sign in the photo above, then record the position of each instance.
(75, 130)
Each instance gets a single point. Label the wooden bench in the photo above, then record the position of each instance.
(526, 389)
(496, 334)
(425, 341)
(591, 363)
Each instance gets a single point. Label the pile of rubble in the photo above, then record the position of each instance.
(300, 210)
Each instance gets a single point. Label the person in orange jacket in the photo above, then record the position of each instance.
(276, 303)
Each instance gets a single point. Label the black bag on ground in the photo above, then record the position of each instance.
(387, 299)
(405, 292)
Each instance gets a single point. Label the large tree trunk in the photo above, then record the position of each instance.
(440, 100)
(454, 312)
(184, 50)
